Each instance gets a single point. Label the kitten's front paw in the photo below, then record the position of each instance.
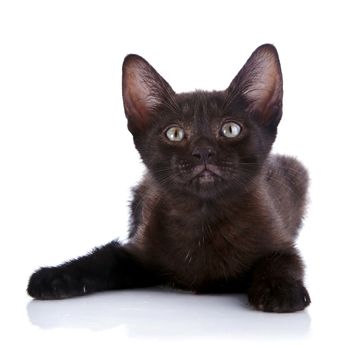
(279, 295)
(54, 283)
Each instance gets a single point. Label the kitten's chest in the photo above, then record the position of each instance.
(194, 245)
(198, 252)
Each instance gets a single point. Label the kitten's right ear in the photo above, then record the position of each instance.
(144, 91)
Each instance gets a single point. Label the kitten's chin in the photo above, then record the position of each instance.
(206, 177)
(205, 184)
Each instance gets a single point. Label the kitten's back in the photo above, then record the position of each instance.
(287, 181)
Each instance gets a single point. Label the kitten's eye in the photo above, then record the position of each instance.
(175, 133)
(230, 129)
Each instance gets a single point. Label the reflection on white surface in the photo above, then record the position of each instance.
(164, 313)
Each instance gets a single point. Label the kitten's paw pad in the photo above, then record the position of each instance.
(279, 295)
(54, 283)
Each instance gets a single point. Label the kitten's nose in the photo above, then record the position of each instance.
(203, 153)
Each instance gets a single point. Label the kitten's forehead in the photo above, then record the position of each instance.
(201, 107)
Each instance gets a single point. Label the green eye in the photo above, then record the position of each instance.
(175, 133)
(231, 129)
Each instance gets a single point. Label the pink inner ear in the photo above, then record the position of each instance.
(264, 88)
(143, 91)
(138, 100)
(265, 83)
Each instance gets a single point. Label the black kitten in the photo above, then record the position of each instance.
(215, 211)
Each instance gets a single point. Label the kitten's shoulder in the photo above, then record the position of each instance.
(144, 196)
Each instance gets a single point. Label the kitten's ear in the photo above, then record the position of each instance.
(260, 85)
(144, 91)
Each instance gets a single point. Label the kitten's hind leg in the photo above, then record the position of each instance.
(108, 267)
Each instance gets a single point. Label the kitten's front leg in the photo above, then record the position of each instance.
(277, 283)
(108, 267)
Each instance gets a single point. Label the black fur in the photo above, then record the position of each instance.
(213, 213)
(105, 268)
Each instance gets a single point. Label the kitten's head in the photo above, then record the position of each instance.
(205, 143)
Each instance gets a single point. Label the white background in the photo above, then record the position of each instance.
(67, 161)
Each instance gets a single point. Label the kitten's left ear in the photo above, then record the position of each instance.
(259, 84)
(144, 91)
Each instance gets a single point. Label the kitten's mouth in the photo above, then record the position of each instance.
(206, 174)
